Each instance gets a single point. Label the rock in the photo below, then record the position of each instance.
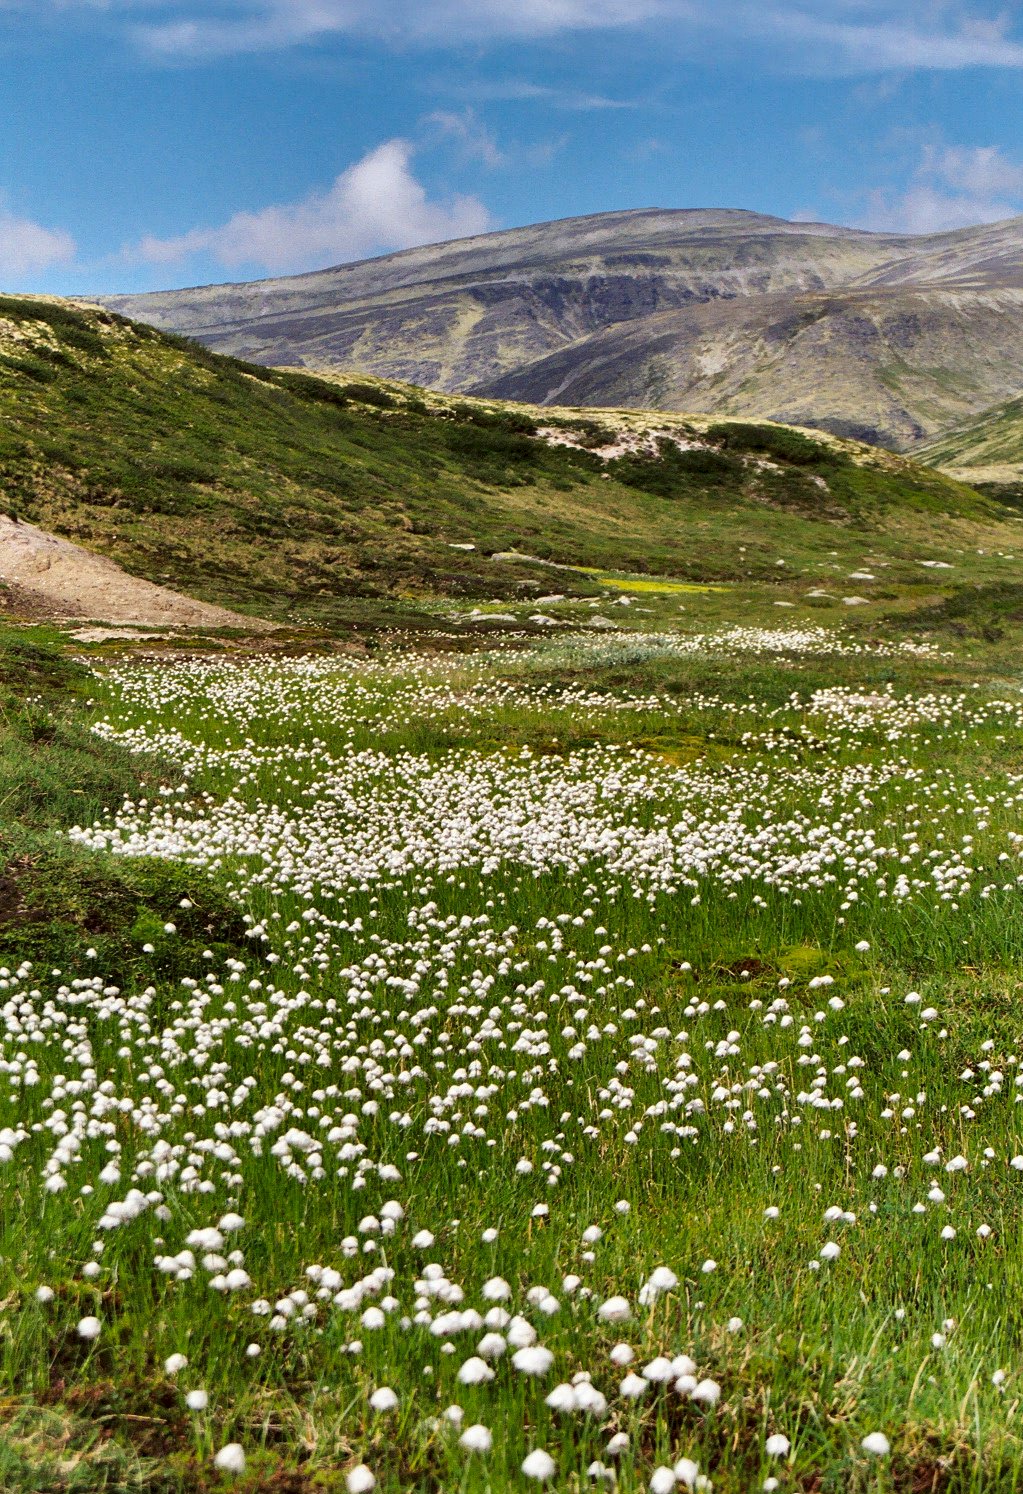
(63, 580)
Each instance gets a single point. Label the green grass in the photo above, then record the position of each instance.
(822, 1355)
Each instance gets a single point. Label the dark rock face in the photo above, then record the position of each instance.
(720, 311)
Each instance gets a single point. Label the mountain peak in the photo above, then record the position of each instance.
(717, 309)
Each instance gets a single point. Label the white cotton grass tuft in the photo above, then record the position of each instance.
(777, 1445)
(383, 1399)
(539, 1465)
(687, 1471)
(89, 1328)
(877, 1444)
(360, 1479)
(197, 1400)
(230, 1458)
(477, 1438)
(614, 1310)
(563, 1398)
(661, 1279)
(532, 1360)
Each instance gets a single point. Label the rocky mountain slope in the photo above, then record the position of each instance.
(286, 496)
(887, 337)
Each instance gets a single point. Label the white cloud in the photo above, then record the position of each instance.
(981, 170)
(952, 187)
(471, 136)
(259, 25)
(375, 205)
(803, 36)
(26, 247)
(898, 39)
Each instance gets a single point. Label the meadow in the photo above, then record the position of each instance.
(504, 1062)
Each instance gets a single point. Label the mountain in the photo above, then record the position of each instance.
(289, 496)
(889, 337)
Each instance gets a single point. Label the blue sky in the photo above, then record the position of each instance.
(155, 143)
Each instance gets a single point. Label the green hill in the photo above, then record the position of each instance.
(987, 450)
(286, 495)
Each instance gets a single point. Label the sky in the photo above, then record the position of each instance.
(148, 144)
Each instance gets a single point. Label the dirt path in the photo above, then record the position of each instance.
(51, 577)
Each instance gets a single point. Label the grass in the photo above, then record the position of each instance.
(57, 902)
(822, 1355)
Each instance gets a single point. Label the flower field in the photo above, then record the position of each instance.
(607, 1084)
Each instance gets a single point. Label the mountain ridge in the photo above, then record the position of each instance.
(607, 309)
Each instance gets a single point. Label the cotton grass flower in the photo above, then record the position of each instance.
(614, 1310)
(877, 1444)
(539, 1464)
(230, 1458)
(687, 1471)
(477, 1371)
(477, 1438)
(89, 1328)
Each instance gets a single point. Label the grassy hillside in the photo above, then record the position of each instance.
(287, 495)
(987, 450)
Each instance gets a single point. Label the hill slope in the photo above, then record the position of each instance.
(987, 450)
(887, 336)
(286, 495)
(874, 364)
